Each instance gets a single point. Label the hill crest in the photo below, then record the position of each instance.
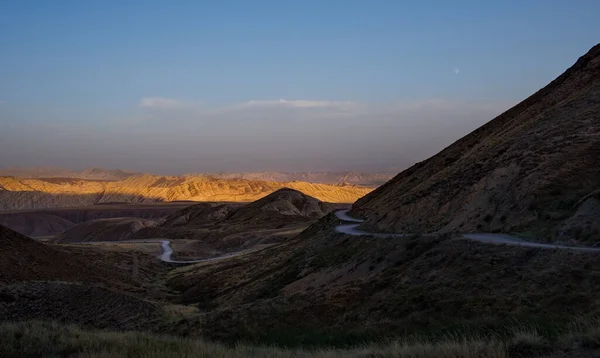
(527, 171)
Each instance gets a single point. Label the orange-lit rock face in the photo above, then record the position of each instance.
(47, 193)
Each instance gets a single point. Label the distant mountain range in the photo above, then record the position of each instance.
(370, 179)
(39, 193)
(363, 178)
(51, 172)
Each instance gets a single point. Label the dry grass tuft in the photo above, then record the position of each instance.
(42, 339)
(35, 339)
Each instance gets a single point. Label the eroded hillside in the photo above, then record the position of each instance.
(534, 170)
(77, 285)
(211, 229)
(56, 192)
(324, 286)
(368, 179)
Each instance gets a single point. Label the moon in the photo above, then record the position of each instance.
(456, 70)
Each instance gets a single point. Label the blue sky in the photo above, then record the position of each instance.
(129, 72)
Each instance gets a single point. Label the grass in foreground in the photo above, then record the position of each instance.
(41, 339)
(36, 339)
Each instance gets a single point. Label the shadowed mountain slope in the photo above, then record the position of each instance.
(115, 229)
(200, 214)
(534, 170)
(283, 206)
(277, 216)
(284, 202)
(79, 285)
(325, 285)
(23, 259)
(35, 223)
(49, 222)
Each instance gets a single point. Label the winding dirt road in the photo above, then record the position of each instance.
(497, 239)
(351, 228)
(167, 250)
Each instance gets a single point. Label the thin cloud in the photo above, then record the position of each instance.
(283, 108)
(161, 103)
(286, 135)
(299, 104)
(295, 110)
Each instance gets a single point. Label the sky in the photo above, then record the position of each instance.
(173, 87)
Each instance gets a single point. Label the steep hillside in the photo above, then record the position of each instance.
(80, 285)
(323, 286)
(534, 170)
(56, 192)
(24, 259)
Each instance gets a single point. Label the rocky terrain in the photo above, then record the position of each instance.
(208, 229)
(324, 287)
(18, 194)
(24, 259)
(284, 203)
(79, 285)
(534, 170)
